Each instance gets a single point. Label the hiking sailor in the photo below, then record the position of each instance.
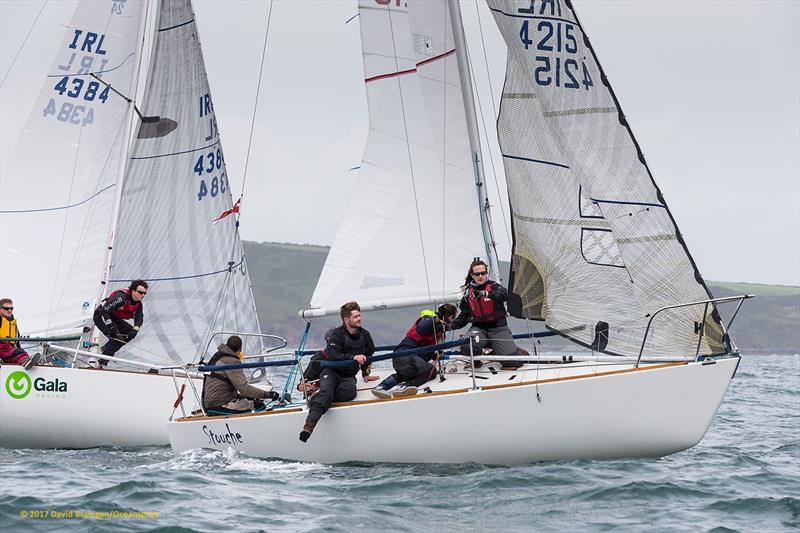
(484, 306)
(10, 351)
(310, 382)
(112, 314)
(347, 342)
(415, 370)
(227, 391)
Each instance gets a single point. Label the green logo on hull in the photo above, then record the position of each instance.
(18, 384)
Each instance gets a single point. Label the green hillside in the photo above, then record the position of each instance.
(284, 276)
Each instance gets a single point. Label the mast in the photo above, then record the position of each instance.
(126, 142)
(474, 137)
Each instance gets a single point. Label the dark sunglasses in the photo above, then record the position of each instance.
(140, 292)
(8, 308)
(480, 273)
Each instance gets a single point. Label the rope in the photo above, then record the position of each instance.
(255, 105)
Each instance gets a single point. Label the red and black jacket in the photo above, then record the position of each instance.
(488, 312)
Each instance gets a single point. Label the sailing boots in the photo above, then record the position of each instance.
(308, 429)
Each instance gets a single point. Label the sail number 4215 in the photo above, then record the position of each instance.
(545, 37)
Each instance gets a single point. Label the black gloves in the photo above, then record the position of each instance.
(273, 396)
(132, 334)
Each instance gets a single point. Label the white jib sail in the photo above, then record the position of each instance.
(596, 251)
(176, 183)
(57, 189)
(413, 224)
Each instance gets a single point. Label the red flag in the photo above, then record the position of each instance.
(234, 209)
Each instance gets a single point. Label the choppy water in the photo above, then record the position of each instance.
(745, 475)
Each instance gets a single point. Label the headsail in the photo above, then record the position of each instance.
(413, 225)
(176, 184)
(57, 189)
(596, 250)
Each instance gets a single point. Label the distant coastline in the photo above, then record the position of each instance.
(284, 276)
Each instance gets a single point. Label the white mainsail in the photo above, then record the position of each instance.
(57, 190)
(176, 183)
(596, 251)
(413, 224)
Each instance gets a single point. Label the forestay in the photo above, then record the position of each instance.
(413, 224)
(596, 251)
(58, 187)
(176, 184)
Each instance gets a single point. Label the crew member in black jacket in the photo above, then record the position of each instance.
(347, 342)
(112, 315)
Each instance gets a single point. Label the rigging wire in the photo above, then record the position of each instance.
(24, 41)
(255, 104)
(483, 123)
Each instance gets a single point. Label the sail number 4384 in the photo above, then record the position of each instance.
(208, 164)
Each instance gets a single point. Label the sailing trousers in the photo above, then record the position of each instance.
(332, 388)
(413, 369)
(498, 338)
(114, 344)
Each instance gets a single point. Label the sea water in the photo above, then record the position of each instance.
(744, 475)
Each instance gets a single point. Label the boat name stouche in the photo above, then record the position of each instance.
(225, 438)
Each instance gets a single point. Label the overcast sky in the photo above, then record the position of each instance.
(711, 90)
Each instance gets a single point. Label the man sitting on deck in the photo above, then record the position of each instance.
(227, 391)
(347, 342)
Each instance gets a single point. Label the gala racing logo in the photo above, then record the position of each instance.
(19, 386)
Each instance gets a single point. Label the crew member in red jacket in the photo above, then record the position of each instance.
(111, 317)
(484, 306)
(412, 371)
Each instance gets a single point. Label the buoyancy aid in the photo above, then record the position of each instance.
(483, 309)
(128, 308)
(426, 340)
(8, 328)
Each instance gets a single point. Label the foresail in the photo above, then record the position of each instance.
(413, 225)
(176, 184)
(57, 189)
(596, 251)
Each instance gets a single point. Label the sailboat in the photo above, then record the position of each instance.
(103, 191)
(596, 256)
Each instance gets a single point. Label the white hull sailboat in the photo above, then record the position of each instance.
(52, 407)
(596, 256)
(137, 202)
(558, 412)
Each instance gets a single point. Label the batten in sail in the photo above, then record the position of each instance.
(596, 250)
